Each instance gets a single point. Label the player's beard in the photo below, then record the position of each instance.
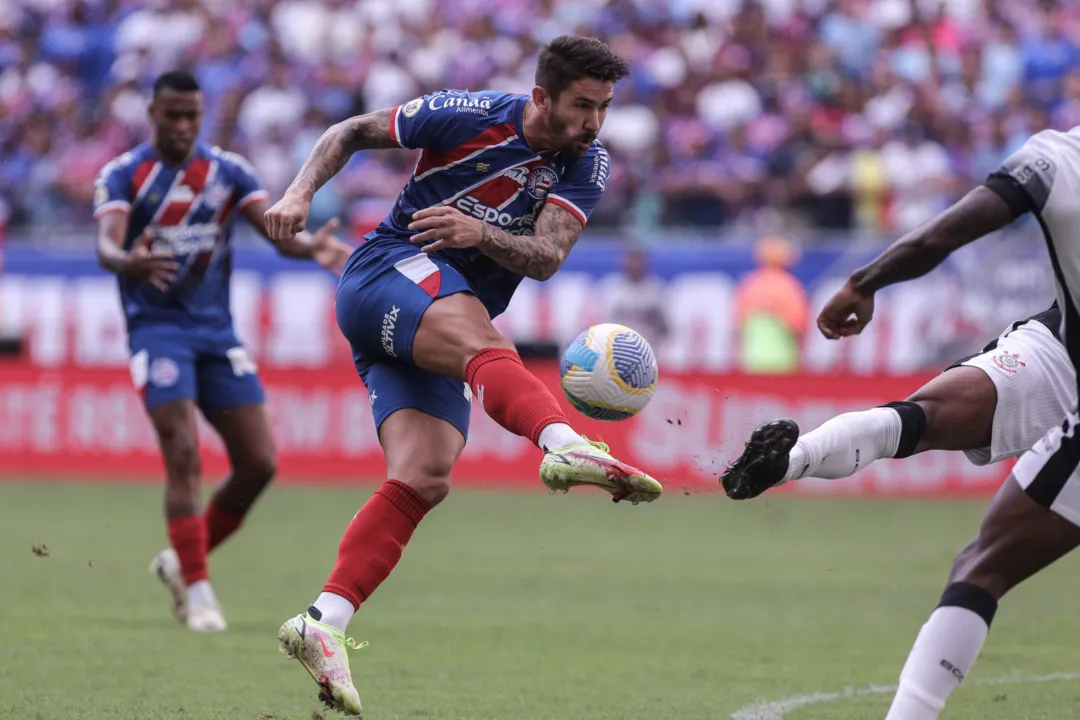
(582, 144)
(570, 146)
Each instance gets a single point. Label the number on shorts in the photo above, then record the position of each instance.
(241, 363)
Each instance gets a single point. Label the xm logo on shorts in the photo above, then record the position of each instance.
(389, 322)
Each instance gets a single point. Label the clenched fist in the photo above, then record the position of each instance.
(287, 217)
(846, 313)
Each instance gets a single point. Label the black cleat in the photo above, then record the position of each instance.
(763, 462)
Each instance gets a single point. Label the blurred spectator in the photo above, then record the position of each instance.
(771, 309)
(636, 299)
(832, 113)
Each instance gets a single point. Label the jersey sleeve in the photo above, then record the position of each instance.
(246, 186)
(433, 122)
(112, 188)
(584, 185)
(1025, 179)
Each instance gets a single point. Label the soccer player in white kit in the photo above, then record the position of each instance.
(992, 405)
(1035, 517)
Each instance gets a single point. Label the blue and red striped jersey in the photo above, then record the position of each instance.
(190, 209)
(475, 158)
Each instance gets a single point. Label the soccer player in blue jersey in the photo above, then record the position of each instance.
(503, 187)
(165, 212)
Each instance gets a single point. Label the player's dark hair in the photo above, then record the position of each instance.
(568, 58)
(177, 80)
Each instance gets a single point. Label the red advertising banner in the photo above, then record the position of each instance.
(89, 423)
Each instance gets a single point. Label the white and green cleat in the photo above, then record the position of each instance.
(322, 651)
(591, 464)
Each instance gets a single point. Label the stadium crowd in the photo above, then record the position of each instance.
(844, 113)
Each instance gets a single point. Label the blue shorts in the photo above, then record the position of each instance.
(381, 297)
(209, 366)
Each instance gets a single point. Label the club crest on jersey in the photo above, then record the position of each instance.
(164, 372)
(1009, 362)
(541, 180)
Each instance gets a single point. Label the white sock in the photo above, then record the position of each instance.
(201, 593)
(557, 436)
(846, 444)
(336, 611)
(943, 655)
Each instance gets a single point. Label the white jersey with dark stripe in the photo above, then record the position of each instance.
(1043, 178)
(190, 209)
(475, 158)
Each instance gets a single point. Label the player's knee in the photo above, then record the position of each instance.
(179, 443)
(259, 468)
(430, 478)
(182, 458)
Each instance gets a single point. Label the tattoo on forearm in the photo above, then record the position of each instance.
(337, 145)
(536, 256)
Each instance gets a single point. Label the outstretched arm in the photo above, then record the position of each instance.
(536, 256)
(978, 213)
(333, 149)
(320, 246)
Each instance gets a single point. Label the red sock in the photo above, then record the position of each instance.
(188, 538)
(372, 544)
(219, 525)
(511, 395)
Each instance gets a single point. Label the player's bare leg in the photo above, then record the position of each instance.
(954, 411)
(183, 568)
(421, 451)
(1018, 538)
(245, 430)
(456, 338)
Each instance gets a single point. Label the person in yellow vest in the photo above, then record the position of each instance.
(771, 309)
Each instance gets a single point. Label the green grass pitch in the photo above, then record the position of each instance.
(518, 607)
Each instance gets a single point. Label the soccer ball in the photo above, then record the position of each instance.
(609, 372)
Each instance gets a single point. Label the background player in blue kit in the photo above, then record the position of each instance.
(165, 211)
(502, 190)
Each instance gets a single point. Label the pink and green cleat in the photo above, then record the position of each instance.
(322, 650)
(591, 464)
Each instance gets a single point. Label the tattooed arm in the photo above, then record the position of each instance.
(363, 132)
(536, 256)
(334, 148)
(337, 145)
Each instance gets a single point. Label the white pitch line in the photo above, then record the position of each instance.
(777, 709)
